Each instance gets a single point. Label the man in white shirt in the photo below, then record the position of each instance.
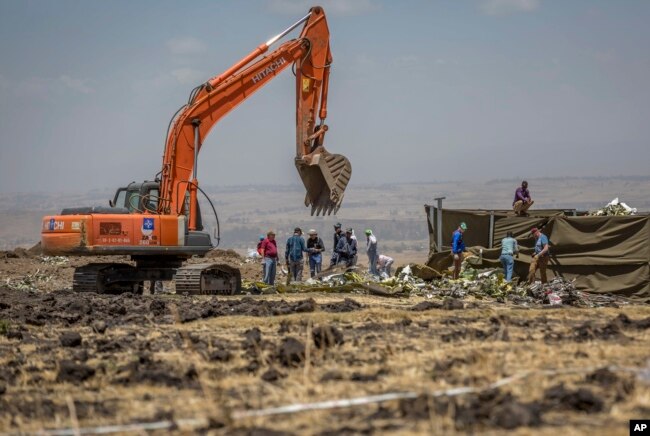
(384, 264)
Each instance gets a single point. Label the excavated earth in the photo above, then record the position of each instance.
(203, 364)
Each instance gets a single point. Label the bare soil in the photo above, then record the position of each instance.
(83, 360)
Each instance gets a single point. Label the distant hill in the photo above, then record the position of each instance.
(394, 211)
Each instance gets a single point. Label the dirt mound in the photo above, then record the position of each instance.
(498, 409)
(224, 255)
(327, 336)
(146, 370)
(291, 353)
(74, 372)
(272, 375)
(447, 304)
(582, 399)
(102, 311)
(70, 339)
(22, 253)
(491, 408)
(347, 305)
(17, 253)
(35, 250)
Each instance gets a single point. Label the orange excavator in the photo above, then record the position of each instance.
(158, 223)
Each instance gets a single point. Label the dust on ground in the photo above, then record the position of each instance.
(87, 360)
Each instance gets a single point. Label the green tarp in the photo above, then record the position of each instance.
(609, 254)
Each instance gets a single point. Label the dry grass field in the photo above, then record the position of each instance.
(230, 365)
(212, 364)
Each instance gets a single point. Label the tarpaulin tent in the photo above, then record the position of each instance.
(608, 254)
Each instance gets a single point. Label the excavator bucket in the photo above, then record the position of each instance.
(325, 177)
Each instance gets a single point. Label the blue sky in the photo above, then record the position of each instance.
(419, 91)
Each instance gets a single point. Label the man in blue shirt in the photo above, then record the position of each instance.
(458, 247)
(293, 255)
(509, 248)
(540, 257)
(338, 234)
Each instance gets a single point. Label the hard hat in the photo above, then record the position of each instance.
(262, 237)
(312, 232)
(368, 232)
(463, 226)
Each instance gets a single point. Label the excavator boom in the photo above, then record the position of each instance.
(324, 175)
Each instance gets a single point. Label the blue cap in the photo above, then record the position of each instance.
(262, 237)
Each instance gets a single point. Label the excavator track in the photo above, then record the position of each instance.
(208, 279)
(101, 278)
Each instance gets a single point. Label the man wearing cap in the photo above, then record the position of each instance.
(371, 250)
(509, 248)
(346, 248)
(352, 241)
(540, 256)
(269, 252)
(293, 255)
(458, 248)
(354, 244)
(315, 247)
(522, 200)
(259, 251)
(338, 234)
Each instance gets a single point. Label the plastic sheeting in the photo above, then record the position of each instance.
(605, 254)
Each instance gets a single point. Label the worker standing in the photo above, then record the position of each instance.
(338, 234)
(371, 250)
(383, 264)
(509, 248)
(259, 251)
(315, 247)
(540, 256)
(269, 252)
(458, 248)
(522, 200)
(293, 254)
(344, 249)
(353, 248)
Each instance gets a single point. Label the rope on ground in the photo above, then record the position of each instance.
(452, 392)
(330, 404)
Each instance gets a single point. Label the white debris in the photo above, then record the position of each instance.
(252, 253)
(615, 207)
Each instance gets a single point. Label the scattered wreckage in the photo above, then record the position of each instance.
(423, 281)
(614, 208)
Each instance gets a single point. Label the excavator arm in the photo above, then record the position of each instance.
(324, 175)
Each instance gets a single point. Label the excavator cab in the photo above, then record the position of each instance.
(137, 197)
(143, 198)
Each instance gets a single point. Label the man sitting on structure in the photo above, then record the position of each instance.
(522, 200)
